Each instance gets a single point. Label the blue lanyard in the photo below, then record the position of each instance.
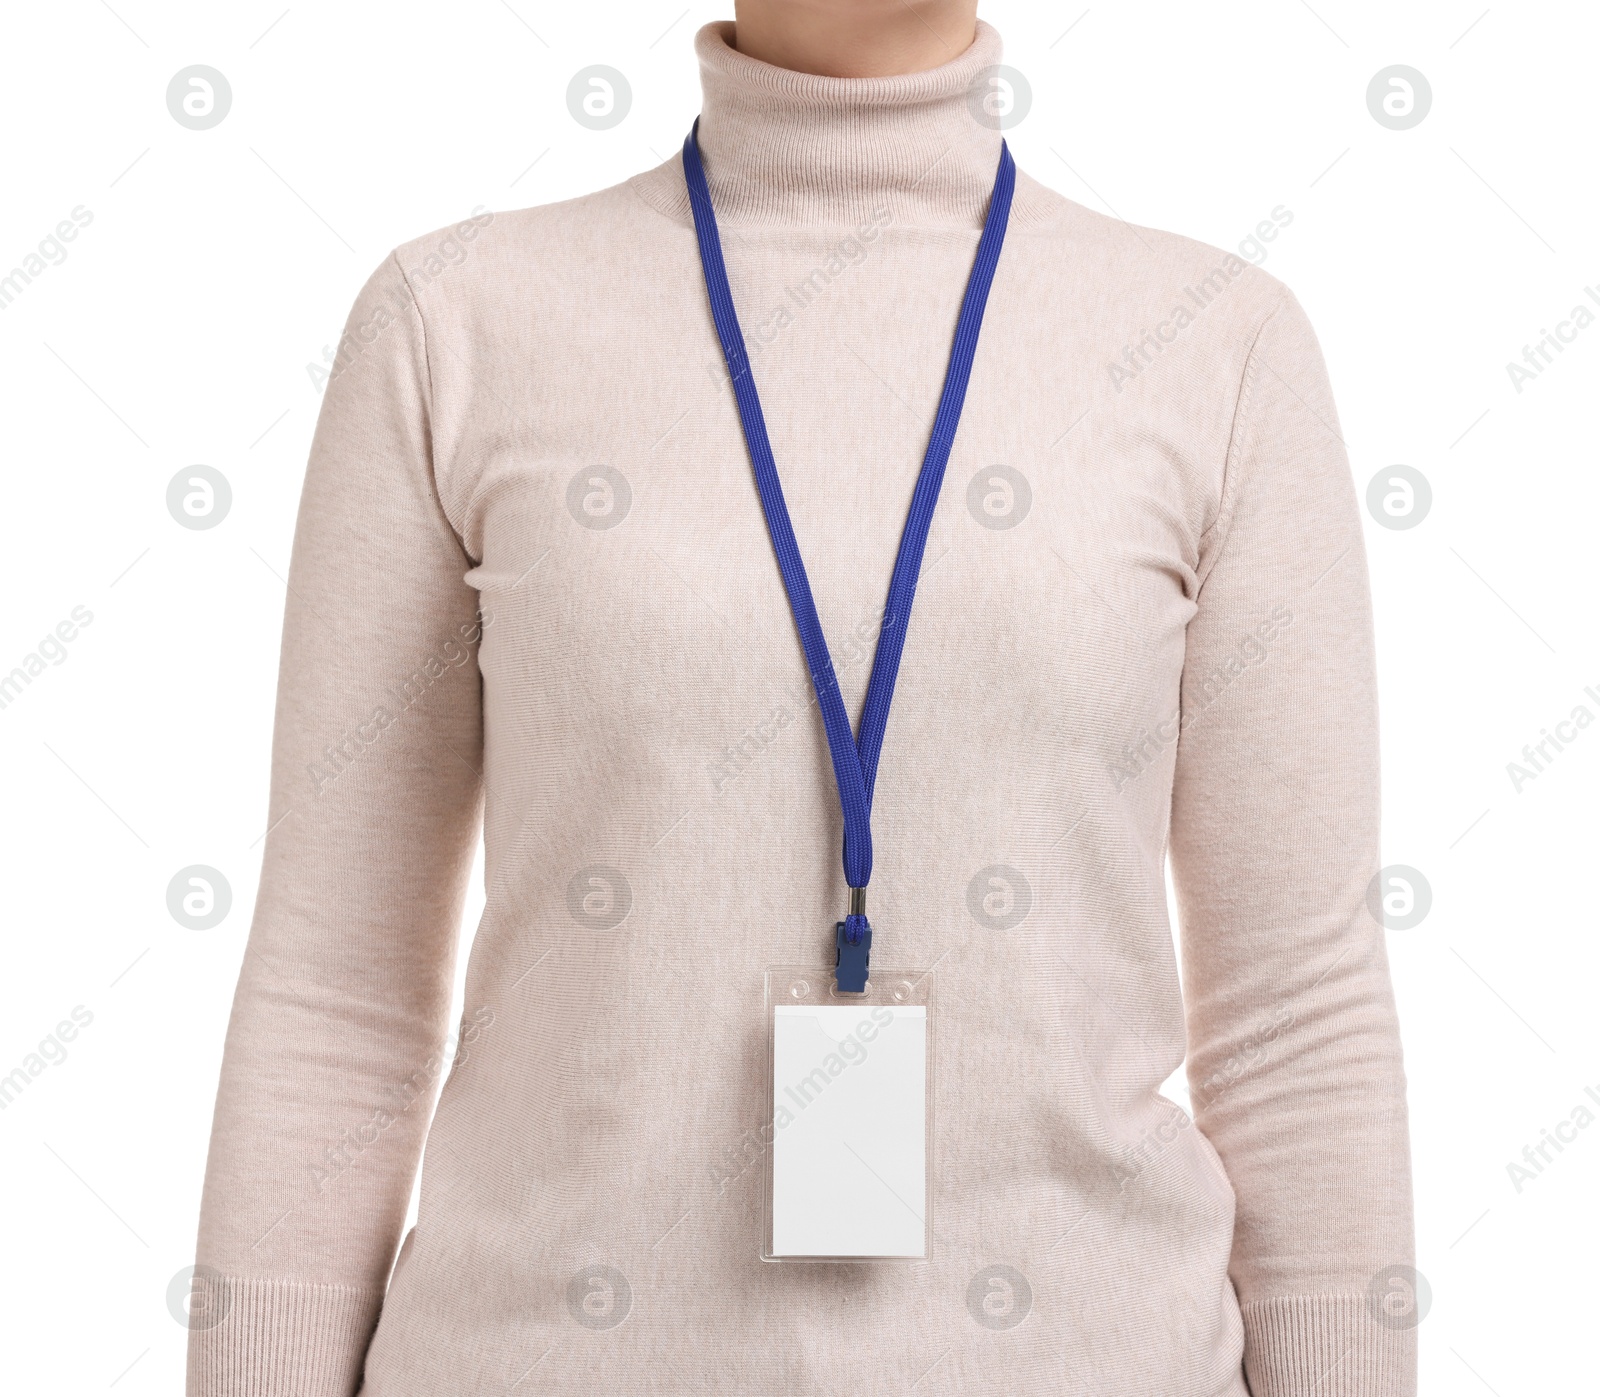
(855, 760)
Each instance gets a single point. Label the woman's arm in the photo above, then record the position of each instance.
(334, 1049)
(1294, 1054)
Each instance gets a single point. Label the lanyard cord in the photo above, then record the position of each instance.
(855, 761)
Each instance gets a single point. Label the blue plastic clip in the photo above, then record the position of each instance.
(853, 937)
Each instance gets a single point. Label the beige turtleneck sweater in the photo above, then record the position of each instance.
(532, 584)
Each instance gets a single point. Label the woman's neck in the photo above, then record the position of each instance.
(854, 38)
(786, 147)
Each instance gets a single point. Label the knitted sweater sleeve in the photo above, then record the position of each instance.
(334, 1049)
(1294, 1053)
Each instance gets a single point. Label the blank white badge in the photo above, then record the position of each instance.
(850, 1111)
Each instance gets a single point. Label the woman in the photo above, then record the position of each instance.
(534, 577)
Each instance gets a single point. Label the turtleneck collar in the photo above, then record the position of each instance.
(782, 147)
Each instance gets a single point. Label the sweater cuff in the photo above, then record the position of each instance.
(1326, 1346)
(265, 1338)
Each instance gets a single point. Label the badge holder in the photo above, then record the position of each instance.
(849, 1162)
(849, 1132)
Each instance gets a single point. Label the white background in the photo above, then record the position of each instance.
(219, 263)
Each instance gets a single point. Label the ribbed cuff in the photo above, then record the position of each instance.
(259, 1338)
(1326, 1346)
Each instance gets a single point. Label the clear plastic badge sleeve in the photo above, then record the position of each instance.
(851, 1118)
